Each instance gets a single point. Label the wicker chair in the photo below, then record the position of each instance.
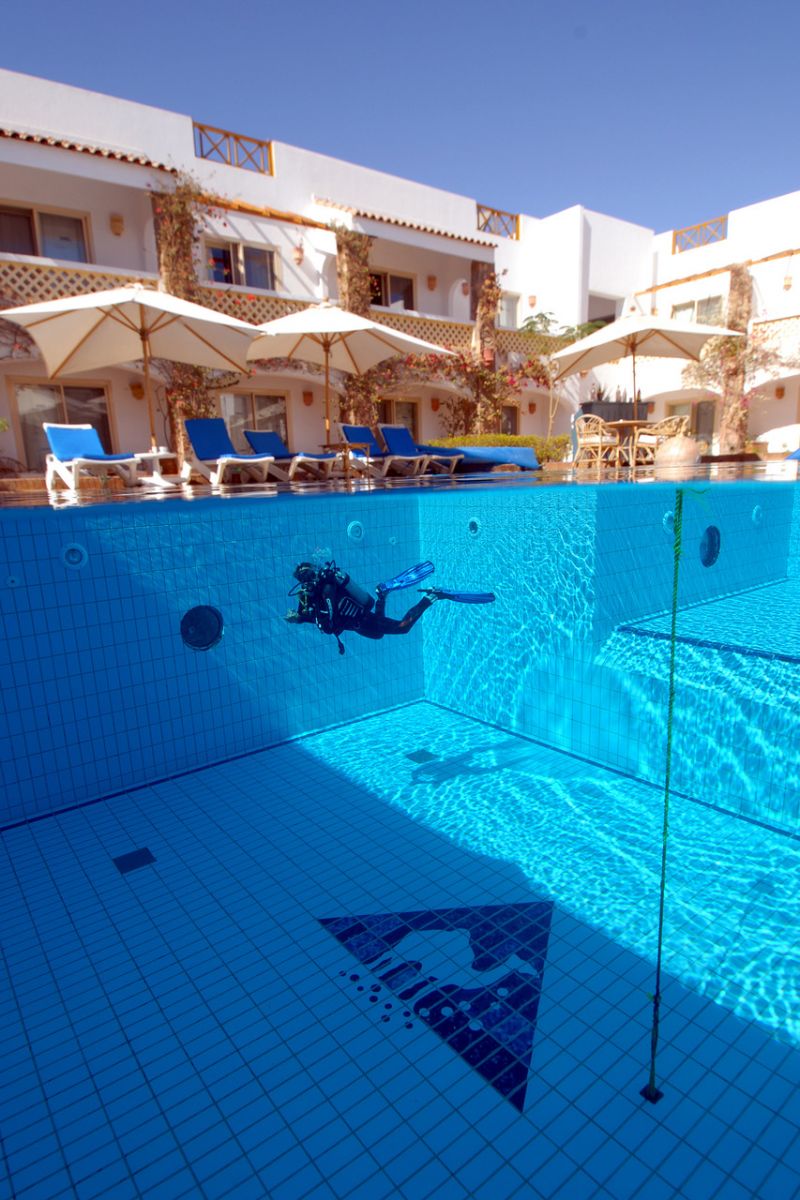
(596, 444)
(648, 438)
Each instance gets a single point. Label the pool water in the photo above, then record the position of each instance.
(284, 922)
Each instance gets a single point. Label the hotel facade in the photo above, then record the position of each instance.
(78, 173)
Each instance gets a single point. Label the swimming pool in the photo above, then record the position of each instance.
(482, 796)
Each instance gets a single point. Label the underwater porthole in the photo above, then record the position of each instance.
(355, 531)
(757, 516)
(201, 627)
(74, 556)
(473, 527)
(709, 546)
(668, 522)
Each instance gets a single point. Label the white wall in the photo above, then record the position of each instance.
(49, 189)
(619, 255)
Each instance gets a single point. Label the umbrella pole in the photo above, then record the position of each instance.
(148, 391)
(635, 401)
(327, 349)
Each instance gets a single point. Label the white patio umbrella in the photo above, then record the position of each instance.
(645, 336)
(103, 329)
(332, 337)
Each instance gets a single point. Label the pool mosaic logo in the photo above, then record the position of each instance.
(473, 975)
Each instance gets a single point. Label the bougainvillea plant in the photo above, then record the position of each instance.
(479, 391)
(180, 217)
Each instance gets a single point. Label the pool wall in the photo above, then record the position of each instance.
(101, 694)
(576, 664)
(99, 691)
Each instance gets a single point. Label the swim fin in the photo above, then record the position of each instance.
(407, 578)
(460, 597)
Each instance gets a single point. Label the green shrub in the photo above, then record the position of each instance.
(552, 449)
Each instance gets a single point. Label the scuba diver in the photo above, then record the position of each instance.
(328, 598)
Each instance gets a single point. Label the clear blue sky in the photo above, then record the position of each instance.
(663, 112)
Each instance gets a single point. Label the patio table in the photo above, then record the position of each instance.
(625, 432)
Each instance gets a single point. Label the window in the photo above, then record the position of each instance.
(391, 291)
(509, 420)
(252, 410)
(258, 268)
(220, 264)
(38, 402)
(43, 234)
(708, 311)
(399, 412)
(507, 317)
(702, 415)
(248, 266)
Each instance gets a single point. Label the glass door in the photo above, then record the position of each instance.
(39, 402)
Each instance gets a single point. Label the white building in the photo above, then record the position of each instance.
(77, 175)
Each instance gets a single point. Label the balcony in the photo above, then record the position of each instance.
(498, 222)
(233, 149)
(703, 234)
(23, 281)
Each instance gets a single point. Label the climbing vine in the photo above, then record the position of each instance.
(352, 270)
(478, 391)
(179, 217)
(730, 366)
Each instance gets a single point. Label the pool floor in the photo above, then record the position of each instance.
(411, 957)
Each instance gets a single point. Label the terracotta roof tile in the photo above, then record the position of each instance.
(369, 215)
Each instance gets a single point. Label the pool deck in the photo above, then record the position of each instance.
(29, 492)
(217, 1022)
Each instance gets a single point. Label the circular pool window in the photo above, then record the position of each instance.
(201, 627)
(757, 516)
(709, 546)
(668, 522)
(355, 531)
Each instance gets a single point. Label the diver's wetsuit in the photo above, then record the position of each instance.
(329, 599)
(375, 624)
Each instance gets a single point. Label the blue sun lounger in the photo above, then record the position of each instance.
(76, 450)
(213, 454)
(286, 464)
(378, 462)
(398, 440)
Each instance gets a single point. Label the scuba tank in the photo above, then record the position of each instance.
(339, 603)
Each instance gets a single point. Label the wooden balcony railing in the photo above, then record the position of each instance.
(700, 235)
(234, 149)
(494, 220)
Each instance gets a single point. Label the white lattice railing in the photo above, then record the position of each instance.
(26, 283)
